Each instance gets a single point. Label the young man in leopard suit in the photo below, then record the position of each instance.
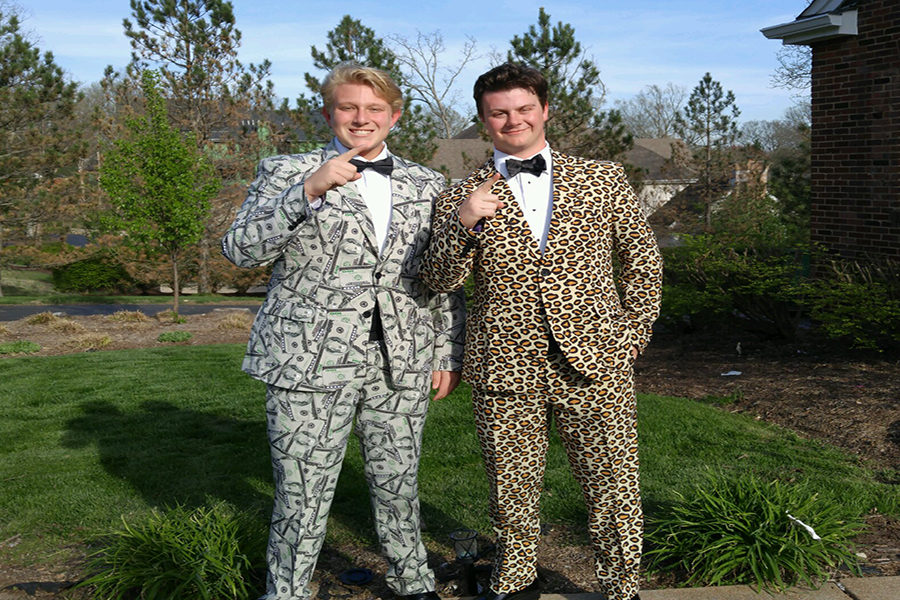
(551, 330)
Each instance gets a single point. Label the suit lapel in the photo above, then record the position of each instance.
(510, 217)
(561, 217)
(352, 201)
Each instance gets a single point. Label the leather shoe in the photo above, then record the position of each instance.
(432, 595)
(530, 592)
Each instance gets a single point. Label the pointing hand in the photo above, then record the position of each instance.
(334, 173)
(481, 203)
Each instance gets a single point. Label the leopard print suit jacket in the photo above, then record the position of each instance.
(595, 289)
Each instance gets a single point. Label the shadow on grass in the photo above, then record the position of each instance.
(172, 455)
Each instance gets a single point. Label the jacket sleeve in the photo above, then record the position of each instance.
(641, 275)
(276, 204)
(448, 309)
(452, 249)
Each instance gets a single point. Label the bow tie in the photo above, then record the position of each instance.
(534, 165)
(384, 166)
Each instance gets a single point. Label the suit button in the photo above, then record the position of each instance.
(377, 275)
(367, 314)
(545, 272)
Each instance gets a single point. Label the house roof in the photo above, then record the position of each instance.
(654, 157)
(459, 157)
(822, 20)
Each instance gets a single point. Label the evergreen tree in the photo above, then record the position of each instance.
(576, 124)
(36, 102)
(193, 44)
(708, 124)
(159, 183)
(414, 135)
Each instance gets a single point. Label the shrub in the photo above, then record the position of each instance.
(747, 531)
(66, 326)
(128, 316)
(19, 347)
(184, 554)
(41, 318)
(709, 280)
(89, 342)
(174, 336)
(170, 316)
(236, 320)
(99, 273)
(857, 302)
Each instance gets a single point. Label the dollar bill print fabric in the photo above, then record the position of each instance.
(328, 279)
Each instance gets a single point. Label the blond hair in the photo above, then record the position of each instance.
(349, 72)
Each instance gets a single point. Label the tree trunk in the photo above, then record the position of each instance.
(203, 285)
(176, 285)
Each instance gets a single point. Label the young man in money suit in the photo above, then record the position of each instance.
(348, 331)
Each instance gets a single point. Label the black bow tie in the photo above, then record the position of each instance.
(534, 165)
(384, 166)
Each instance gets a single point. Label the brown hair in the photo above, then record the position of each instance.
(350, 72)
(510, 76)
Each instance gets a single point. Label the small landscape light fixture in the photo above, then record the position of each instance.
(465, 545)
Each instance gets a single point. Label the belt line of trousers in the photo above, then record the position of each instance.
(308, 433)
(597, 423)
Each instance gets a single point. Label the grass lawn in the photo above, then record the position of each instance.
(88, 438)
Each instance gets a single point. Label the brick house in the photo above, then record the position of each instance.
(855, 152)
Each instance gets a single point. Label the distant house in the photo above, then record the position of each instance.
(660, 178)
(855, 150)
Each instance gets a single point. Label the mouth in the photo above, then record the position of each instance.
(361, 132)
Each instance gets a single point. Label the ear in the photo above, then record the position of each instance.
(396, 116)
(327, 115)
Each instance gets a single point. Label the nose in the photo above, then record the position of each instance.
(359, 116)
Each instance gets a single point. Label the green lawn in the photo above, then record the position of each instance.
(87, 438)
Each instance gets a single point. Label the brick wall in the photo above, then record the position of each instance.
(856, 136)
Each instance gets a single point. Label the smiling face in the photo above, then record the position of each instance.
(360, 118)
(515, 121)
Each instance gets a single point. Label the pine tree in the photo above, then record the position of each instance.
(36, 102)
(708, 124)
(414, 135)
(576, 93)
(159, 183)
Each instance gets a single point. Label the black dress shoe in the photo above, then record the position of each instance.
(420, 596)
(530, 592)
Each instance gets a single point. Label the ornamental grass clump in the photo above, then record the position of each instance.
(747, 531)
(207, 553)
(174, 336)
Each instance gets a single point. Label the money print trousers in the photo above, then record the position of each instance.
(308, 434)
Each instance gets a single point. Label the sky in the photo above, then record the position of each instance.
(635, 43)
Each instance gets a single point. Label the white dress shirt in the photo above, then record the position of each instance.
(533, 193)
(375, 190)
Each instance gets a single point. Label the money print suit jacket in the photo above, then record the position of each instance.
(329, 278)
(594, 291)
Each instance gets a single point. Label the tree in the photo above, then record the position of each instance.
(432, 82)
(194, 44)
(158, 182)
(653, 112)
(36, 100)
(708, 124)
(794, 71)
(576, 124)
(413, 136)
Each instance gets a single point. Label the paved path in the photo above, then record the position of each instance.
(14, 312)
(856, 588)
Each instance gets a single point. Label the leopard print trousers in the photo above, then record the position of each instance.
(597, 422)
